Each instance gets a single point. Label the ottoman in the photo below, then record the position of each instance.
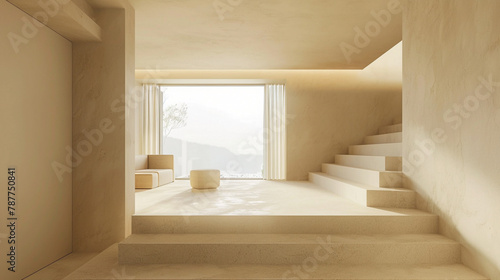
(205, 179)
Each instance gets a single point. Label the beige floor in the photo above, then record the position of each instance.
(62, 267)
(250, 197)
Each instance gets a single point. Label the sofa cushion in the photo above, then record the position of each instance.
(160, 162)
(165, 176)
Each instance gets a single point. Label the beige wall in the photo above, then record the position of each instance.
(130, 105)
(103, 186)
(327, 110)
(35, 122)
(450, 48)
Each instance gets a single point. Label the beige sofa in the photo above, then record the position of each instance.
(152, 171)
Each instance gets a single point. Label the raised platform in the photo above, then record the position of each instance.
(249, 197)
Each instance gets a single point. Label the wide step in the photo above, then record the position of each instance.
(288, 249)
(389, 150)
(379, 163)
(391, 129)
(387, 221)
(374, 178)
(363, 194)
(396, 137)
(105, 266)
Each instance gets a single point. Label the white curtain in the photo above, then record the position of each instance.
(150, 120)
(275, 132)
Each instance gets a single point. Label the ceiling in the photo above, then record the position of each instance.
(258, 34)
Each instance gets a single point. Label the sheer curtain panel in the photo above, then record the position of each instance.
(275, 132)
(150, 120)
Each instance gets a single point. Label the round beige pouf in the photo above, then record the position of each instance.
(205, 179)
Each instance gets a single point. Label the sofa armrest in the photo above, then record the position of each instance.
(161, 162)
(146, 180)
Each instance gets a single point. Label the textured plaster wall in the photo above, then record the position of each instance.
(103, 134)
(451, 120)
(35, 123)
(327, 110)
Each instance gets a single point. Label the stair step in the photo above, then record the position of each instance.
(363, 194)
(105, 266)
(396, 137)
(287, 249)
(388, 150)
(386, 221)
(379, 163)
(374, 178)
(391, 128)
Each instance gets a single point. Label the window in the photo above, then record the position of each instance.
(214, 127)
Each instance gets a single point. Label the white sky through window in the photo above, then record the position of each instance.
(223, 116)
(222, 129)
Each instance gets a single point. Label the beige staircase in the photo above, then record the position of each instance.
(371, 173)
(395, 241)
(399, 244)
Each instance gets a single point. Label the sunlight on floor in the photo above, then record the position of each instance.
(247, 197)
